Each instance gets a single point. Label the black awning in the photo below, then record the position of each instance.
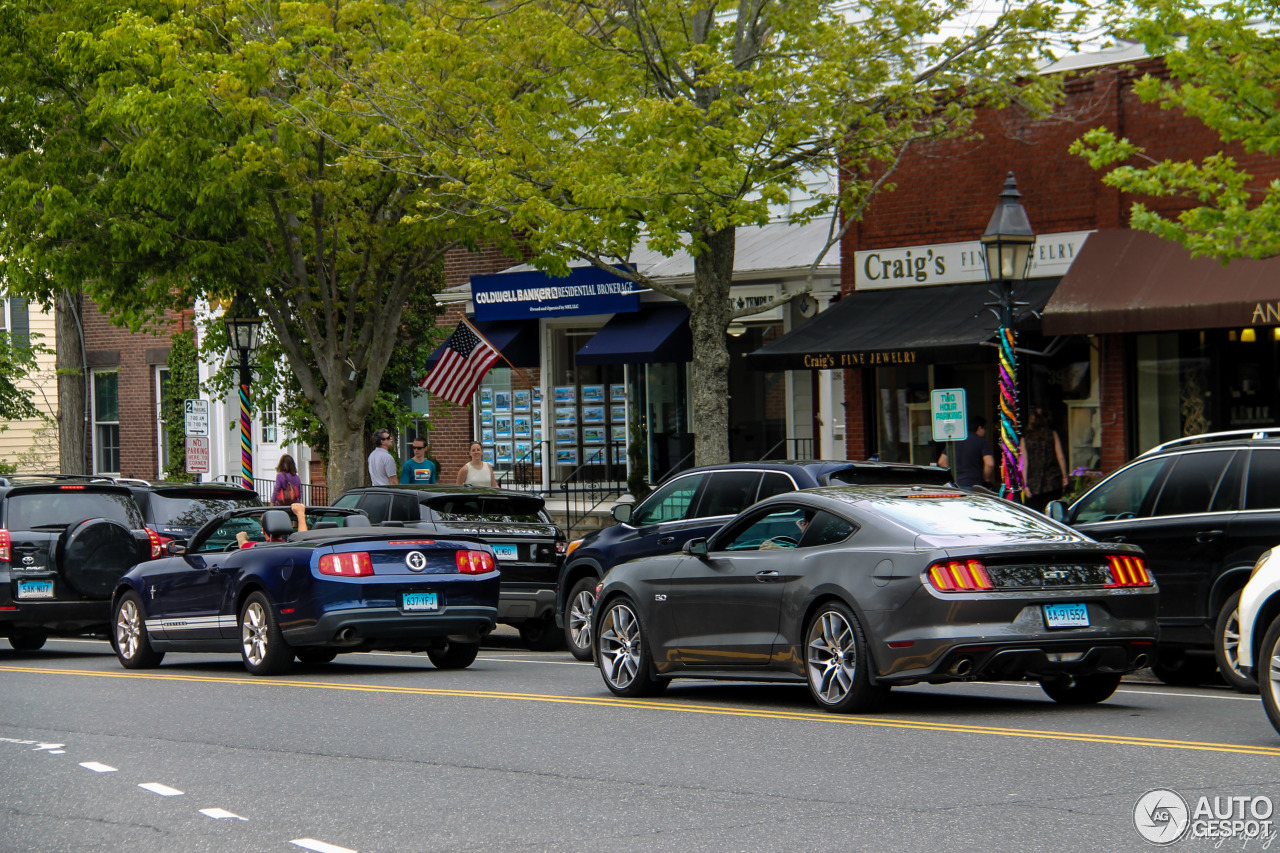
(869, 328)
(517, 340)
(655, 334)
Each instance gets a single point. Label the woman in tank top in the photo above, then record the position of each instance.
(477, 472)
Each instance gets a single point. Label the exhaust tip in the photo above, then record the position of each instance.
(960, 668)
(1140, 661)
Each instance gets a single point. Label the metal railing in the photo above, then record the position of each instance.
(525, 474)
(790, 448)
(592, 483)
(312, 494)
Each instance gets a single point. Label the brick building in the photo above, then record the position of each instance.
(1127, 341)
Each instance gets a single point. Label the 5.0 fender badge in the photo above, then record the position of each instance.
(659, 597)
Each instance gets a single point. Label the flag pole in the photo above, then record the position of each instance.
(500, 353)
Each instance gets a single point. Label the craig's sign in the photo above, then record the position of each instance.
(957, 263)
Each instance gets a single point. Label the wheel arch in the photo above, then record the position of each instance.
(1268, 612)
(250, 586)
(571, 574)
(821, 596)
(1226, 585)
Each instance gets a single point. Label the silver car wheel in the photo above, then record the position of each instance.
(1231, 642)
(128, 629)
(253, 633)
(580, 611)
(1273, 681)
(833, 657)
(620, 646)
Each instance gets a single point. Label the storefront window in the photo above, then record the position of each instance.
(588, 409)
(1174, 387)
(903, 428)
(666, 407)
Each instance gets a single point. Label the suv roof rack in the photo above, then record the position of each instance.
(1266, 432)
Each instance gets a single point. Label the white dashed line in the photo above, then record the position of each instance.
(96, 767)
(162, 790)
(218, 814)
(320, 846)
(57, 752)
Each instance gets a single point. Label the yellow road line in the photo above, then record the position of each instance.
(680, 707)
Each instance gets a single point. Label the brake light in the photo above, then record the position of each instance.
(6, 546)
(475, 562)
(157, 543)
(72, 488)
(929, 496)
(412, 542)
(1128, 571)
(355, 564)
(959, 576)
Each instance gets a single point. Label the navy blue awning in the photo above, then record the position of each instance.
(656, 334)
(515, 339)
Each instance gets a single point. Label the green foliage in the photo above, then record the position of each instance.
(184, 384)
(1224, 71)
(7, 468)
(18, 356)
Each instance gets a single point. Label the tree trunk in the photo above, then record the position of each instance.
(347, 464)
(708, 322)
(72, 398)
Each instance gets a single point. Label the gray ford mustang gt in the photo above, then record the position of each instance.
(854, 589)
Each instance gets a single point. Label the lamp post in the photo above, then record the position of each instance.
(243, 333)
(1007, 245)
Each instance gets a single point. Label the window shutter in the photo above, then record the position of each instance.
(20, 322)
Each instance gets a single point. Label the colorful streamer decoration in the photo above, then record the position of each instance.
(1010, 469)
(246, 439)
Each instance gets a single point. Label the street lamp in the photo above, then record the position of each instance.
(243, 333)
(1007, 245)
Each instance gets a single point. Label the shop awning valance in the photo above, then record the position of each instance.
(872, 328)
(655, 334)
(1132, 281)
(517, 340)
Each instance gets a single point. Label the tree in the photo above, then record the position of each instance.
(1224, 70)
(171, 151)
(677, 123)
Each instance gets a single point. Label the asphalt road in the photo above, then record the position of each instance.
(528, 751)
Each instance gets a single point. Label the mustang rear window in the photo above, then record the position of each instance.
(28, 510)
(966, 515)
(478, 508)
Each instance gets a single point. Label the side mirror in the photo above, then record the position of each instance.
(695, 547)
(175, 549)
(1057, 510)
(621, 513)
(195, 561)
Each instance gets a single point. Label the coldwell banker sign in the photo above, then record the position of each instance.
(531, 295)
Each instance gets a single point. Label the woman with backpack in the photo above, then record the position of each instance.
(288, 490)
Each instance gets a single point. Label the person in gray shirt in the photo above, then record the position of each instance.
(382, 465)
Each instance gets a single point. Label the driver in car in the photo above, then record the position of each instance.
(786, 541)
(299, 512)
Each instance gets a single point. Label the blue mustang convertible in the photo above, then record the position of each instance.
(342, 586)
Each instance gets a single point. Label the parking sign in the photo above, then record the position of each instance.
(197, 454)
(196, 417)
(949, 421)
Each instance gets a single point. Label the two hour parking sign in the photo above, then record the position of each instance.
(950, 422)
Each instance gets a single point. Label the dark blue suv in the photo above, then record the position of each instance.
(696, 503)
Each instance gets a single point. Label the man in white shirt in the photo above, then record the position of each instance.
(382, 465)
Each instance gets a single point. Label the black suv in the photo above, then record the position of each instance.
(64, 543)
(1203, 508)
(528, 544)
(177, 510)
(695, 503)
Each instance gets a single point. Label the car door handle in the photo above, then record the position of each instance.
(666, 540)
(765, 577)
(1204, 537)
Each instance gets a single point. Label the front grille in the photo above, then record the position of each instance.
(1049, 575)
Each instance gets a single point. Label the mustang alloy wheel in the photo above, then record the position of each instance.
(837, 662)
(577, 622)
(623, 654)
(133, 648)
(262, 646)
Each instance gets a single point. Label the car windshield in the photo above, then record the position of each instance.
(966, 515)
(28, 510)
(890, 476)
(487, 508)
(192, 509)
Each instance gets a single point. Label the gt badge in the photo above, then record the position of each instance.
(416, 561)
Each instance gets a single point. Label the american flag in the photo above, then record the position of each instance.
(467, 357)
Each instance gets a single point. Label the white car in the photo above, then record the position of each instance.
(1258, 651)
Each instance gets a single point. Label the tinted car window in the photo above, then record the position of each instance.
(348, 501)
(775, 483)
(826, 529)
(1227, 497)
(1120, 496)
(777, 529)
(729, 493)
(28, 510)
(192, 509)
(669, 502)
(1263, 489)
(376, 505)
(487, 508)
(1190, 485)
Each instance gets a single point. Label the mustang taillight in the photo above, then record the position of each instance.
(6, 546)
(475, 562)
(959, 576)
(157, 543)
(1128, 571)
(355, 564)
